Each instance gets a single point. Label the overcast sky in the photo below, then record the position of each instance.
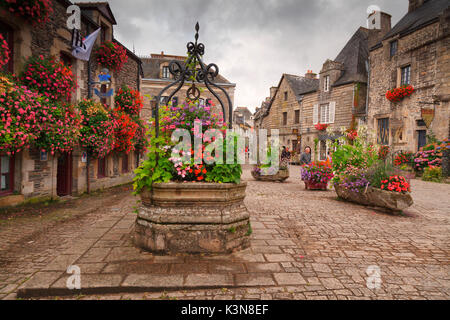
(252, 41)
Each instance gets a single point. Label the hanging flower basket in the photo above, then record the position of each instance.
(398, 94)
(321, 126)
(129, 101)
(34, 11)
(4, 51)
(111, 55)
(51, 78)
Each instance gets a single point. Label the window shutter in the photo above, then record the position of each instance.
(315, 114)
(332, 110)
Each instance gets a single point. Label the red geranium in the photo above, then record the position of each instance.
(396, 184)
(35, 11)
(397, 94)
(124, 133)
(383, 152)
(4, 51)
(321, 126)
(111, 55)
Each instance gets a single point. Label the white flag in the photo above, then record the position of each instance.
(82, 49)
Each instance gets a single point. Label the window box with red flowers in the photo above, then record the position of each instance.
(111, 55)
(33, 11)
(49, 77)
(398, 94)
(321, 126)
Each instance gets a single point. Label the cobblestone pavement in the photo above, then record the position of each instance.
(305, 245)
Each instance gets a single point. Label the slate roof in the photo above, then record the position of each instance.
(301, 85)
(354, 56)
(424, 15)
(152, 66)
(103, 7)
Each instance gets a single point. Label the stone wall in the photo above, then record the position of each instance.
(427, 51)
(33, 177)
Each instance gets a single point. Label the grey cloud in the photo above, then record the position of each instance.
(252, 41)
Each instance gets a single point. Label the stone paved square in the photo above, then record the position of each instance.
(308, 246)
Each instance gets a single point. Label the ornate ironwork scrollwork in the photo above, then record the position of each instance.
(195, 71)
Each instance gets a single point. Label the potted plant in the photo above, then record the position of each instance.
(317, 175)
(361, 177)
(270, 172)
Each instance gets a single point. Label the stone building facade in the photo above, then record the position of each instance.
(334, 98)
(414, 52)
(157, 76)
(37, 175)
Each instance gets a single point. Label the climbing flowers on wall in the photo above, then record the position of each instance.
(398, 94)
(4, 51)
(18, 107)
(97, 133)
(111, 55)
(124, 132)
(58, 127)
(34, 11)
(51, 78)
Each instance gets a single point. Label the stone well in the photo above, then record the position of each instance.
(194, 218)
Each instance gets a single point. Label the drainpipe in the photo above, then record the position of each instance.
(368, 88)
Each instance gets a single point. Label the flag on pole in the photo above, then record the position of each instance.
(81, 48)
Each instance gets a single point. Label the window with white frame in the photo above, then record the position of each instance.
(326, 84)
(323, 150)
(325, 113)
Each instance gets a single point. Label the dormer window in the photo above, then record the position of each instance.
(165, 72)
(326, 84)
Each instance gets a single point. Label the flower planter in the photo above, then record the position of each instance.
(394, 201)
(312, 185)
(281, 176)
(193, 218)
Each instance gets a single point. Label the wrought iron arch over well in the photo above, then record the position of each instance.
(196, 71)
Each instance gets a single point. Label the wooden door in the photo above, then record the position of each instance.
(64, 175)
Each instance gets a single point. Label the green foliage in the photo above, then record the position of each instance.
(432, 174)
(378, 172)
(232, 230)
(225, 173)
(250, 230)
(156, 169)
(356, 155)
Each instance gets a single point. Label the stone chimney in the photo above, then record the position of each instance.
(310, 75)
(379, 24)
(272, 92)
(415, 4)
